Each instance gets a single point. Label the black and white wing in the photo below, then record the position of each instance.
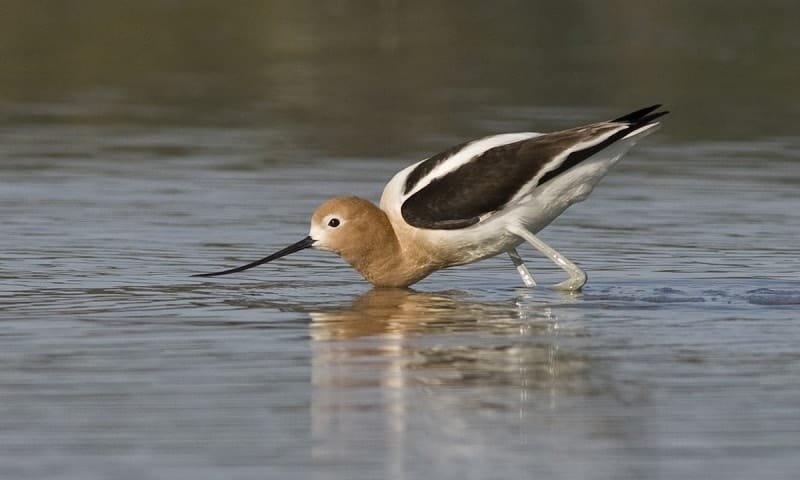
(467, 183)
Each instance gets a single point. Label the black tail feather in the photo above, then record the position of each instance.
(642, 116)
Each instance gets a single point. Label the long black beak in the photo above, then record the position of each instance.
(301, 245)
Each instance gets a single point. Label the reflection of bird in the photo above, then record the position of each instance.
(473, 201)
(497, 342)
(389, 311)
(379, 312)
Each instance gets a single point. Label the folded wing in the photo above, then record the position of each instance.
(458, 188)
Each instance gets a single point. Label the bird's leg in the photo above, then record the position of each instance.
(577, 277)
(527, 278)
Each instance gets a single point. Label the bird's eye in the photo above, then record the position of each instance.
(333, 222)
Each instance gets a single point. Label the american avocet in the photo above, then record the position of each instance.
(471, 202)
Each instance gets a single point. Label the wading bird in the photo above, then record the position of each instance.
(473, 201)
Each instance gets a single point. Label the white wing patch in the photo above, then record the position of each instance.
(463, 156)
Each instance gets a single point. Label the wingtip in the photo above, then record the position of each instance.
(651, 117)
(642, 116)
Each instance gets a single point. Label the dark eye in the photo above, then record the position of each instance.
(333, 222)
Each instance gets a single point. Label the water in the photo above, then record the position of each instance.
(126, 166)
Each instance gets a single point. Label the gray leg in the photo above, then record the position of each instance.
(577, 277)
(527, 278)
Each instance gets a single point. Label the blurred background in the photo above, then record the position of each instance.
(142, 142)
(374, 78)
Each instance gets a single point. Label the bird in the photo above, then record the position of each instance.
(473, 201)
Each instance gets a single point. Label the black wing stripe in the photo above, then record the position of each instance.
(637, 120)
(574, 158)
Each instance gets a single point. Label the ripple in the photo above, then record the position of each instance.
(770, 297)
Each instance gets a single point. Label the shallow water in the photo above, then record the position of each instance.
(679, 359)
